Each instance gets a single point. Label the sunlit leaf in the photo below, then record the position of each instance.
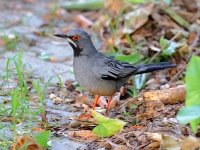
(107, 126)
(193, 82)
(132, 59)
(42, 138)
(190, 113)
(170, 49)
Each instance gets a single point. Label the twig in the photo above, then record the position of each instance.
(132, 99)
(171, 40)
(180, 71)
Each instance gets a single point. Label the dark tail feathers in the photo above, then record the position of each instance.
(153, 67)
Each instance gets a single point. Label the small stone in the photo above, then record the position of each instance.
(166, 86)
(52, 96)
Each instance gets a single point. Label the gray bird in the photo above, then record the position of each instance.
(98, 74)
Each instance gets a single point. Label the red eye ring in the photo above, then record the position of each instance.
(76, 37)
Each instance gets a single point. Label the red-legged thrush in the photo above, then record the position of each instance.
(99, 74)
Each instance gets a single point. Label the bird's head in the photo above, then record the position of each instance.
(76, 38)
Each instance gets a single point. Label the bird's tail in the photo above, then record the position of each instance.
(153, 67)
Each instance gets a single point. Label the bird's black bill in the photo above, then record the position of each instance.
(61, 35)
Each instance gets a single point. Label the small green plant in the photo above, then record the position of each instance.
(42, 92)
(190, 113)
(10, 44)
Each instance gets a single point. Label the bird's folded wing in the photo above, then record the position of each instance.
(113, 69)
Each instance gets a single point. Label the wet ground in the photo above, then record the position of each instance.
(44, 56)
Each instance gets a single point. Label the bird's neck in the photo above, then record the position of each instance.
(88, 51)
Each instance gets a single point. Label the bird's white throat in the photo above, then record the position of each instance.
(70, 41)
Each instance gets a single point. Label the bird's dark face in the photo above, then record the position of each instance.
(76, 38)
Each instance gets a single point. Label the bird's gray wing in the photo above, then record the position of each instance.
(110, 69)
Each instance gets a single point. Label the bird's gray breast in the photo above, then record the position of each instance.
(83, 71)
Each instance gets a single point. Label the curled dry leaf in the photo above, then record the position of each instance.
(57, 100)
(190, 143)
(83, 21)
(136, 19)
(154, 144)
(115, 100)
(86, 135)
(114, 6)
(53, 59)
(169, 143)
(167, 96)
(83, 99)
(154, 136)
(27, 143)
(102, 101)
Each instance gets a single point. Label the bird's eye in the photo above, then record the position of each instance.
(76, 37)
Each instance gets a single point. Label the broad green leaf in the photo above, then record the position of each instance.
(170, 49)
(188, 114)
(191, 112)
(107, 126)
(42, 138)
(132, 59)
(193, 82)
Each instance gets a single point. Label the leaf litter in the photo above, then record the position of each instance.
(150, 117)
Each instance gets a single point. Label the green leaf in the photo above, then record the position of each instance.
(42, 138)
(170, 49)
(193, 82)
(139, 80)
(107, 126)
(132, 59)
(189, 113)
(132, 106)
(83, 5)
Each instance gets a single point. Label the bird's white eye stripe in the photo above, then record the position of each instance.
(71, 42)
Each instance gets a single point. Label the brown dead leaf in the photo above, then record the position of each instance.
(101, 102)
(167, 96)
(191, 143)
(191, 38)
(53, 59)
(2, 42)
(169, 143)
(83, 21)
(154, 144)
(83, 99)
(37, 129)
(86, 135)
(154, 136)
(27, 143)
(114, 6)
(115, 100)
(8, 119)
(135, 19)
(57, 100)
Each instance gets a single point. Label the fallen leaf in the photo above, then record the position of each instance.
(84, 134)
(27, 143)
(135, 19)
(107, 126)
(114, 6)
(83, 21)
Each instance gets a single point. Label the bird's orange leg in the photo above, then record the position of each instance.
(94, 105)
(95, 102)
(109, 100)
